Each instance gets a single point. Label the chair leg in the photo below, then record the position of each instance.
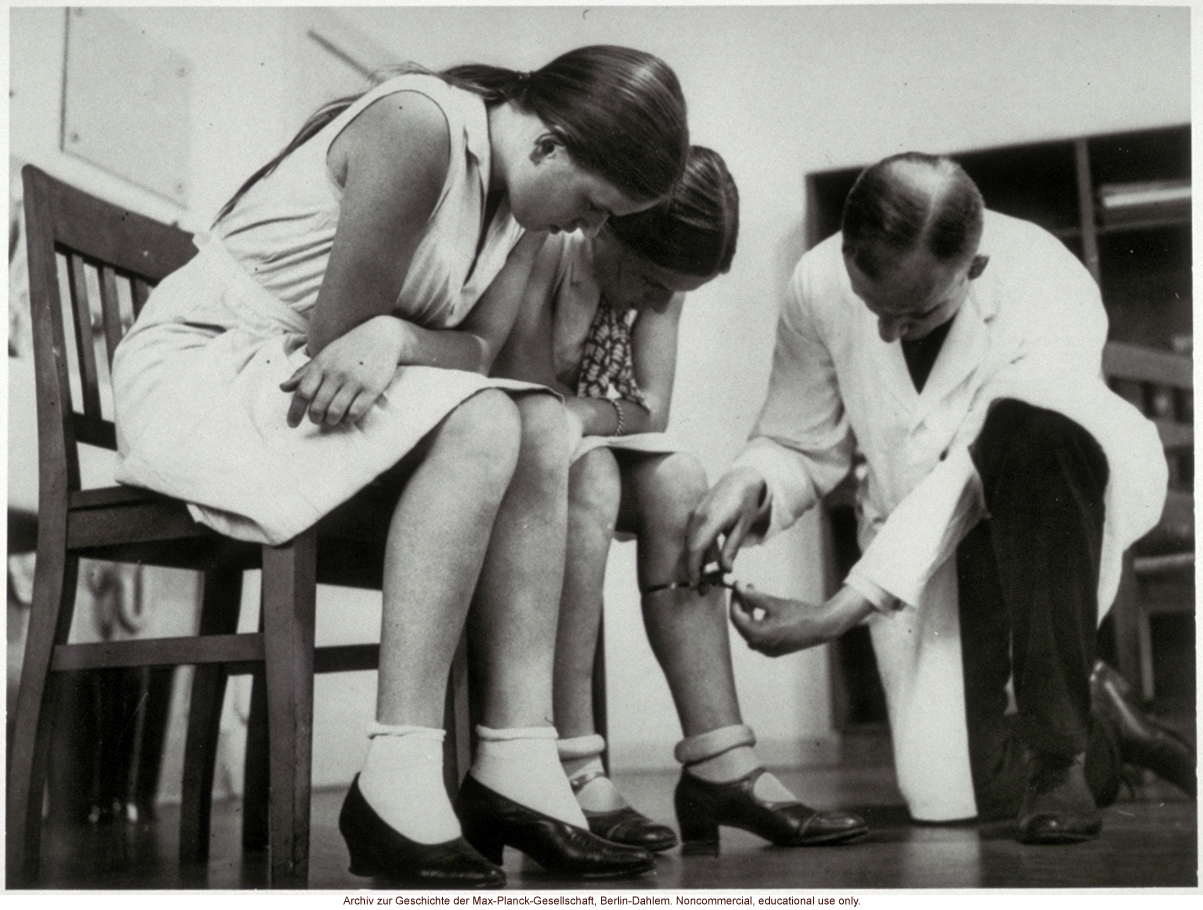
(289, 594)
(1144, 639)
(457, 747)
(219, 616)
(255, 783)
(1125, 611)
(600, 716)
(55, 581)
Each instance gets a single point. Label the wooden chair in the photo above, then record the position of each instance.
(1159, 569)
(91, 268)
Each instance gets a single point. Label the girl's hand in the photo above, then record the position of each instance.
(347, 377)
(776, 626)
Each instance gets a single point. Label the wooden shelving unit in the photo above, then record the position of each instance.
(1140, 257)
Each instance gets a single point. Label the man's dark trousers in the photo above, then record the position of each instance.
(1028, 582)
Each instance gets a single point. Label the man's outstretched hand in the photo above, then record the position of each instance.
(778, 625)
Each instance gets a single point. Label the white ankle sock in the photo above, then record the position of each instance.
(581, 759)
(726, 754)
(522, 764)
(402, 780)
(726, 766)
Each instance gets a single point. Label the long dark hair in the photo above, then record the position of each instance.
(693, 231)
(619, 112)
(886, 215)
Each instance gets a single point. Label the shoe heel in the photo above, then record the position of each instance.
(700, 842)
(487, 845)
(362, 866)
(699, 832)
(359, 847)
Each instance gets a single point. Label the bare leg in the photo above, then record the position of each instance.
(592, 510)
(436, 545)
(513, 620)
(687, 631)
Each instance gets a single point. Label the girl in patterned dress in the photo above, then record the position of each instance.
(600, 326)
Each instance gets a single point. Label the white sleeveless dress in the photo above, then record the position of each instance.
(199, 410)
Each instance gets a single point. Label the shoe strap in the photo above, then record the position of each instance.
(579, 782)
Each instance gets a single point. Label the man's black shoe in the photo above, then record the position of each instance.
(1058, 807)
(1142, 741)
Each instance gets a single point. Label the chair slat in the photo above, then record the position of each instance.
(1175, 436)
(159, 652)
(1132, 361)
(110, 308)
(127, 240)
(344, 658)
(84, 340)
(95, 431)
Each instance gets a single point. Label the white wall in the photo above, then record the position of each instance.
(779, 91)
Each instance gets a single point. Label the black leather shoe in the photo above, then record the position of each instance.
(1058, 807)
(492, 821)
(631, 827)
(380, 851)
(1142, 741)
(703, 806)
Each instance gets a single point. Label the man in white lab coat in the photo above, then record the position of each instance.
(952, 355)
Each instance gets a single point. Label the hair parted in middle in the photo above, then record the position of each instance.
(619, 112)
(888, 213)
(693, 231)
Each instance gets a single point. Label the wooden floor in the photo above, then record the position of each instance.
(1150, 840)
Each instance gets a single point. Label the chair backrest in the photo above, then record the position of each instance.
(91, 268)
(1160, 384)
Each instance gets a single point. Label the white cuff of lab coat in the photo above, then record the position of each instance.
(925, 528)
(883, 601)
(788, 489)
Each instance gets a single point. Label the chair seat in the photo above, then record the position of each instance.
(131, 524)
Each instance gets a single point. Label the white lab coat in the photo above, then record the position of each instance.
(1032, 328)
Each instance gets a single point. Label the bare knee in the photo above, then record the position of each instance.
(595, 489)
(482, 438)
(543, 452)
(669, 490)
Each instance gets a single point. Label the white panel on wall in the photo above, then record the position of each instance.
(125, 102)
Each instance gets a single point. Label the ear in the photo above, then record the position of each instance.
(978, 265)
(547, 144)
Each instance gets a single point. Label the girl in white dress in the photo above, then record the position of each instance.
(342, 315)
(600, 326)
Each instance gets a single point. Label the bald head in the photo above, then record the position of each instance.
(912, 206)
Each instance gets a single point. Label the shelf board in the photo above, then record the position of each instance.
(1143, 224)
